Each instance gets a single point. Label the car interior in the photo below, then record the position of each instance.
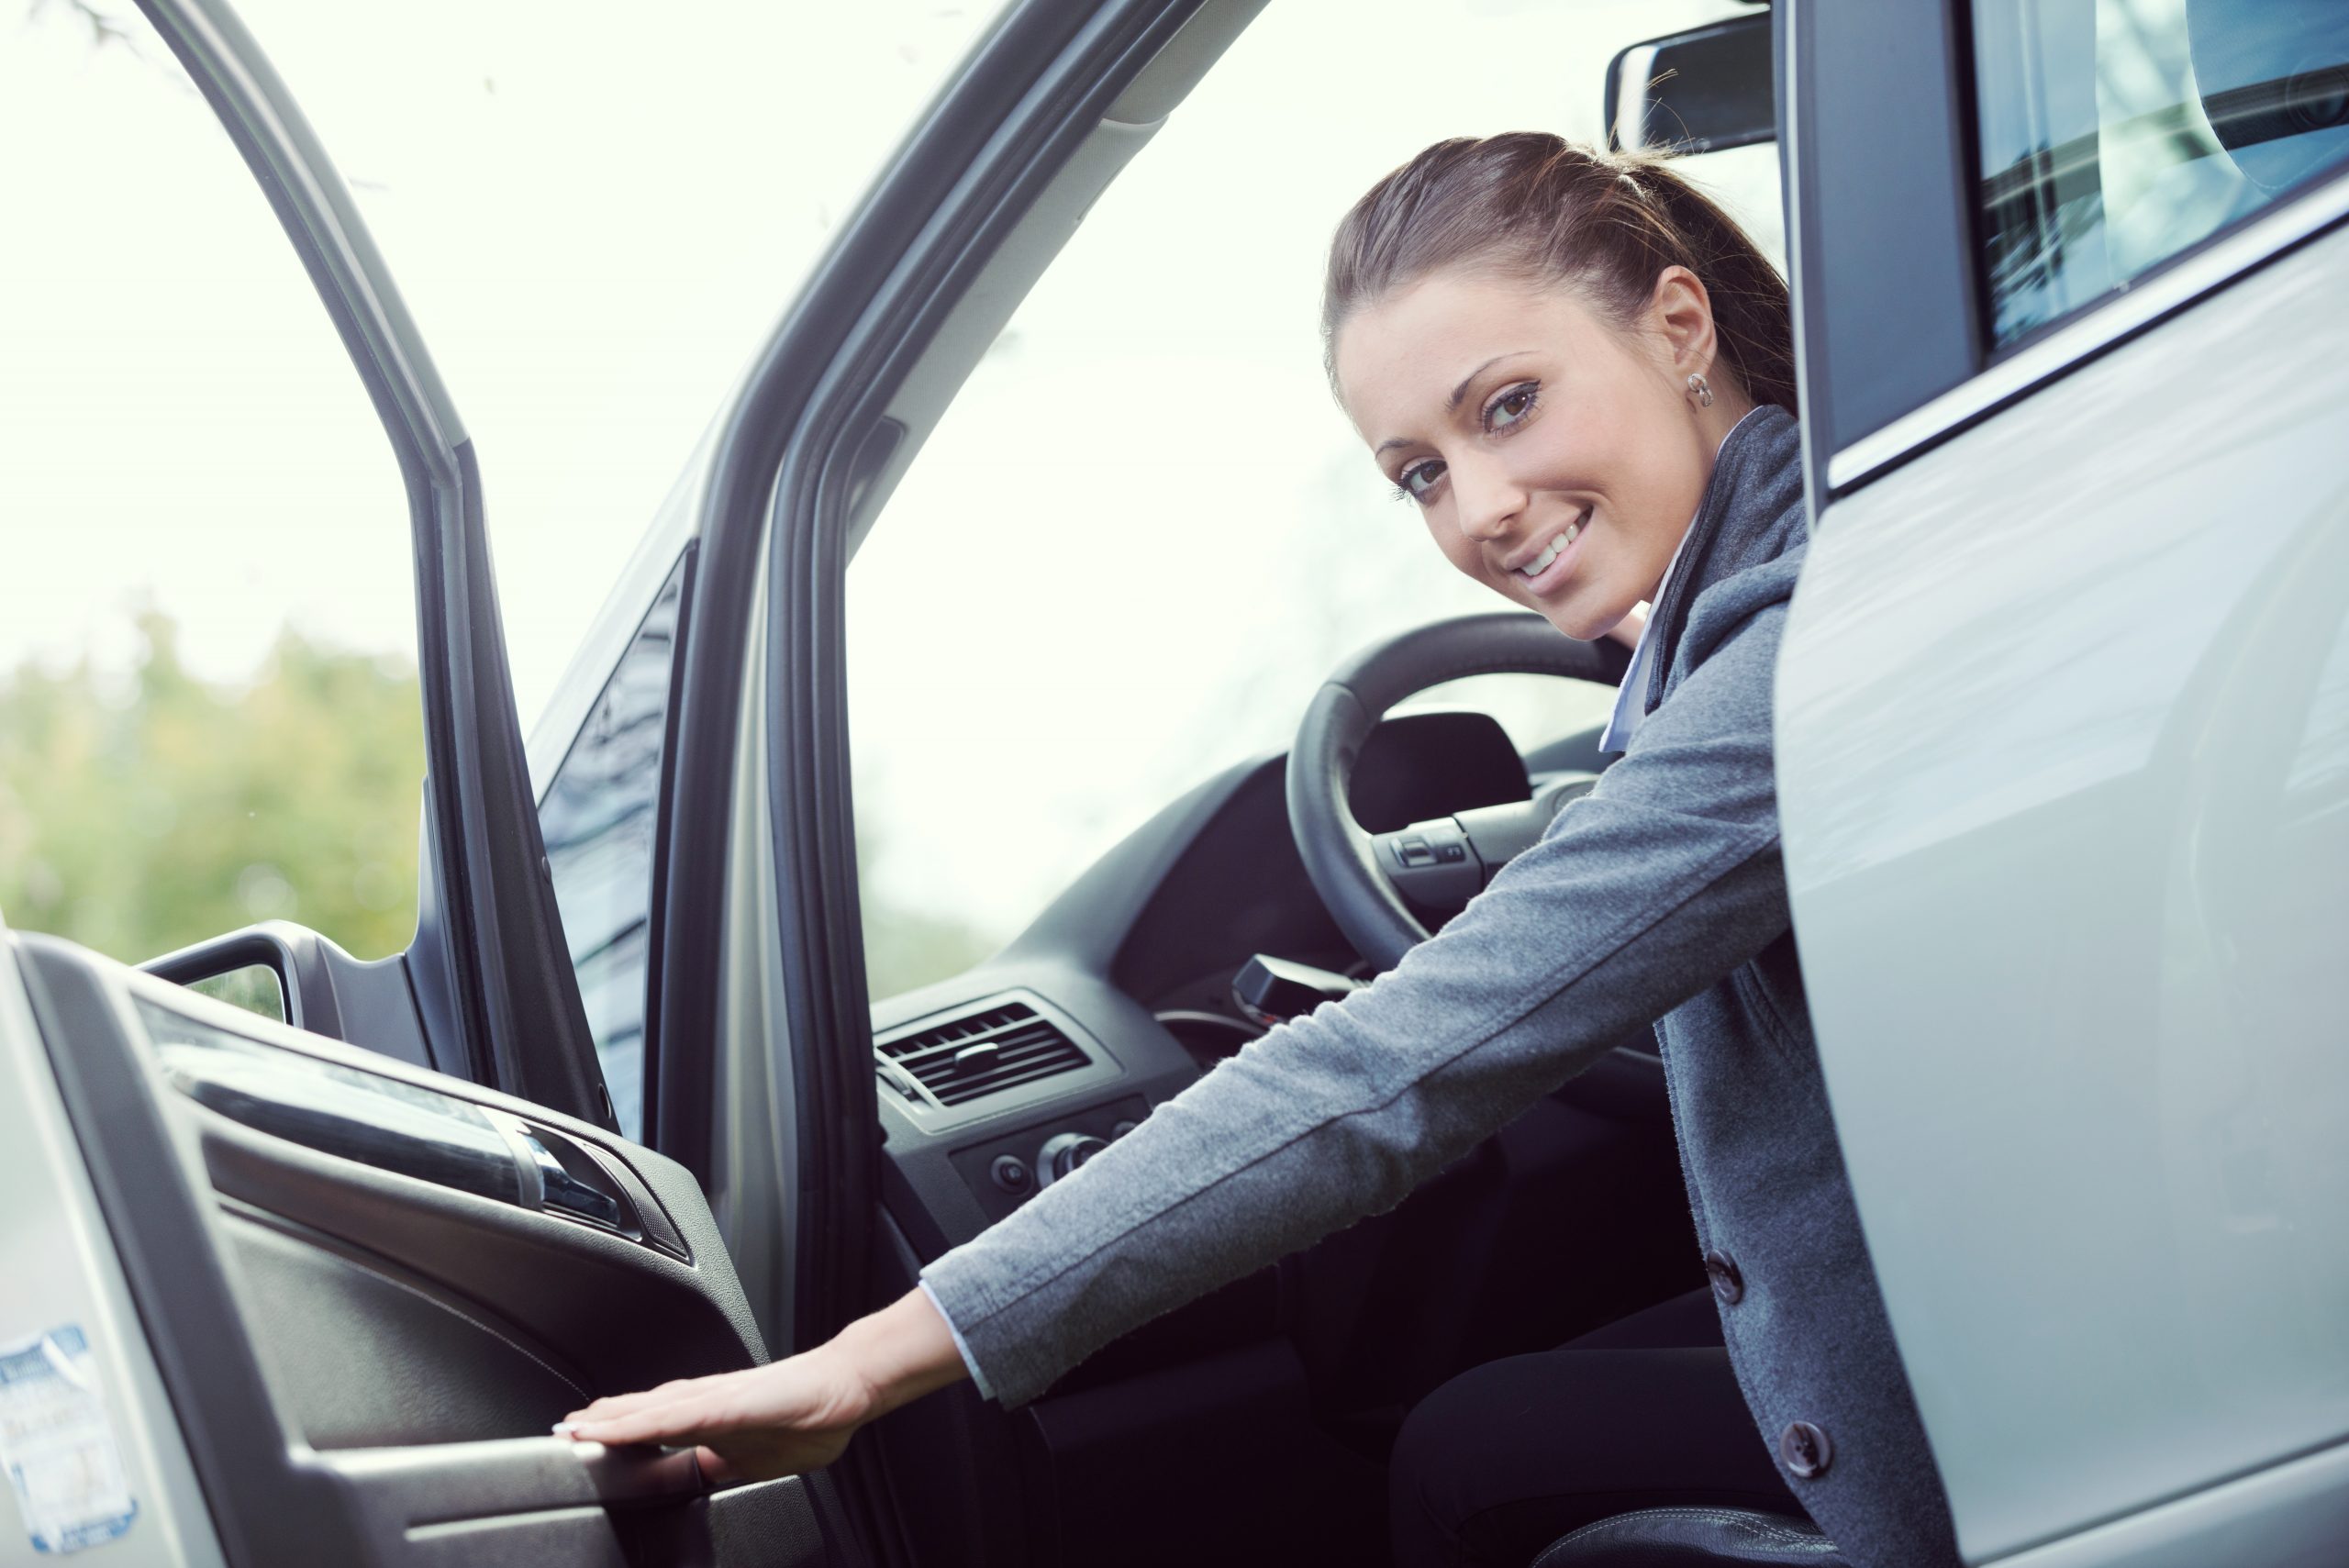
(411, 1273)
(372, 1283)
(1277, 1397)
(379, 1240)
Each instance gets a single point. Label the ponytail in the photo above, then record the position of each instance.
(1606, 222)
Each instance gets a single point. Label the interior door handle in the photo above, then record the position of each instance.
(400, 1488)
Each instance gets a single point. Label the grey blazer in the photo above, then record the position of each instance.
(1660, 896)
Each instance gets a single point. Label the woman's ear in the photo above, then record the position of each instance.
(1681, 313)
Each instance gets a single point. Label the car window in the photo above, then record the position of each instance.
(597, 820)
(2114, 134)
(1144, 533)
(208, 707)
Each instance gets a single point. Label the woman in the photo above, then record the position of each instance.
(1579, 370)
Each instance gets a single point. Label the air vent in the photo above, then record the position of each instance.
(954, 1064)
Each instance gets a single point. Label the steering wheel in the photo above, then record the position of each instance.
(1441, 863)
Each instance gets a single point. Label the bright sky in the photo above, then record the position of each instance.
(594, 211)
(1134, 547)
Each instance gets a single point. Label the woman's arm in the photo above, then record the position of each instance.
(1661, 880)
(1655, 885)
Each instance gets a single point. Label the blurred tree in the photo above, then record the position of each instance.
(142, 812)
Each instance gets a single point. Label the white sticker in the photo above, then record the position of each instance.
(58, 1446)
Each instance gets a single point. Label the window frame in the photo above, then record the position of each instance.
(1846, 336)
(1879, 234)
(677, 577)
(494, 1008)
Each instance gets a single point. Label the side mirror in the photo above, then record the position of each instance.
(252, 969)
(290, 973)
(1700, 91)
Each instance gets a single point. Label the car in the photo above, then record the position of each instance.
(2063, 752)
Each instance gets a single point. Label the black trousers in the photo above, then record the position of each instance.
(1643, 1413)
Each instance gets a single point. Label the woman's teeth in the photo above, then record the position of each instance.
(1541, 563)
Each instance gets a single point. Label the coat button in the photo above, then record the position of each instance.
(1806, 1450)
(1728, 1284)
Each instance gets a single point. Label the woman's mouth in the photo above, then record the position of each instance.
(1545, 573)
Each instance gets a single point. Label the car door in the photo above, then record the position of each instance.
(341, 1278)
(2060, 720)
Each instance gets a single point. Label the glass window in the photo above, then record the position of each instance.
(208, 707)
(2117, 133)
(597, 820)
(1144, 533)
(589, 281)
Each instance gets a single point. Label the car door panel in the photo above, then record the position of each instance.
(369, 1289)
(2061, 763)
(366, 1336)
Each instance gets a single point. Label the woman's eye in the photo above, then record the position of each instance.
(1512, 405)
(1420, 478)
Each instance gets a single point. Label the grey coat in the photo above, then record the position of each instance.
(1660, 896)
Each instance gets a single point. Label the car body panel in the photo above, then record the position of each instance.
(2063, 768)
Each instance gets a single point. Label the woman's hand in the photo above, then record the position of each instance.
(795, 1415)
(782, 1419)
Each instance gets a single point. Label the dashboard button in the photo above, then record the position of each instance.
(1065, 1152)
(1012, 1175)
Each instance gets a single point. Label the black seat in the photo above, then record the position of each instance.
(1693, 1537)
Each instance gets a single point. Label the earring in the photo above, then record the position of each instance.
(1701, 391)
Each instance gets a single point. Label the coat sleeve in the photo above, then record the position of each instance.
(1655, 885)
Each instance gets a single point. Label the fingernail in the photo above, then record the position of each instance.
(564, 1429)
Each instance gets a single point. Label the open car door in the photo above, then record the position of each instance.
(354, 1265)
(366, 1291)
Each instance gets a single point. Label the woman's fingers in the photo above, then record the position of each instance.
(613, 1404)
(678, 1421)
(734, 1439)
(781, 1395)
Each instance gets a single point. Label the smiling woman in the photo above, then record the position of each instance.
(1522, 398)
(1525, 471)
(1144, 524)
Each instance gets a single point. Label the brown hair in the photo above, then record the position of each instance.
(1533, 205)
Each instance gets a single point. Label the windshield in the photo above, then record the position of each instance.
(1144, 533)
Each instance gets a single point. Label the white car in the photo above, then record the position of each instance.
(2064, 764)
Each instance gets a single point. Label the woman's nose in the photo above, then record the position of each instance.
(1487, 500)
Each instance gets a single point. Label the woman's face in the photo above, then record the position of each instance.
(1522, 424)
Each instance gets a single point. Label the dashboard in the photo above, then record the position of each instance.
(1003, 1079)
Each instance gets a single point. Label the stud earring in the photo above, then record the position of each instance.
(1699, 389)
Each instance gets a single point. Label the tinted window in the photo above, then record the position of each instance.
(2116, 133)
(598, 818)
